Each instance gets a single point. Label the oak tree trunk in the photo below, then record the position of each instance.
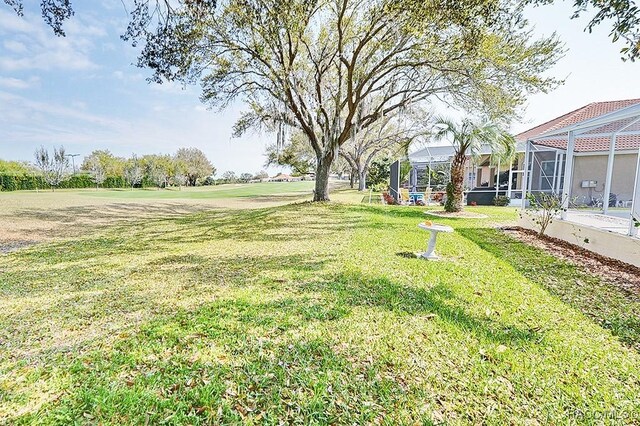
(321, 192)
(362, 180)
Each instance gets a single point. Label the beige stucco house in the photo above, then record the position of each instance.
(590, 156)
(486, 177)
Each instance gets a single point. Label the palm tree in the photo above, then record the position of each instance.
(468, 138)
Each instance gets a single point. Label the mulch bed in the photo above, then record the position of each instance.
(622, 274)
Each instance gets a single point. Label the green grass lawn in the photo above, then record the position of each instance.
(309, 314)
(264, 189)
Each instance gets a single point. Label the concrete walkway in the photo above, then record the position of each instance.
(616, 224)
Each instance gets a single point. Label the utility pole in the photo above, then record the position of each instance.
(73, 162)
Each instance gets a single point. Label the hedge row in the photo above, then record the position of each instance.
(29, 182)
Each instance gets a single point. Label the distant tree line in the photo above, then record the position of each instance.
(232, 177)
(102, 169)
(187, 167)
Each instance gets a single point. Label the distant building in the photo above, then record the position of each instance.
(283, 177)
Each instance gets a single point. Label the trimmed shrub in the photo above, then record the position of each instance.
(388, 198)
(21, 182)
(501, 201)
(10, 182)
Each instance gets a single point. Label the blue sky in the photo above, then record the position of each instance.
(83, 91)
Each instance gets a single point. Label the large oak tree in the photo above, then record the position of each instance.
(312, 64)
(623, 15)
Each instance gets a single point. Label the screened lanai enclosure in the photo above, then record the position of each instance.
(589, 158)
(593, 166)
(430, 171)
(486, 176)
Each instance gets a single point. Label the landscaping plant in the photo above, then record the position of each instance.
(501, 200)
(543, 208)
(468, 137)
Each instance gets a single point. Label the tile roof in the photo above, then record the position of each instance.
(595, 144)
(585, 143)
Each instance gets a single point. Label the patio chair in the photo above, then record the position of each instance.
(404, 196)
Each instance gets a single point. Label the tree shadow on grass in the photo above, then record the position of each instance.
(88, 305)
(232, 361)
(392, 211)
(99, 262)
(610, 306)
(77, 220)
(197, 223)
(382, 215)
(407, 254)
(273, 198)
(356, 289)
(56, 222)
(92, 294)
(76, 214)
(296, 222)
(237, 360)
(261, 225)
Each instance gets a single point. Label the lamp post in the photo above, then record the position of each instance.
(73, 162)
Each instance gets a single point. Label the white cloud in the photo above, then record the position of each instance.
(86, 26)
(13, 83)
(172, 87)
(79, 105)
(30, 45)
(128, 76)
(60, 59)
(26, 124)
(26, 107)
(14, 46)
(11, 23)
